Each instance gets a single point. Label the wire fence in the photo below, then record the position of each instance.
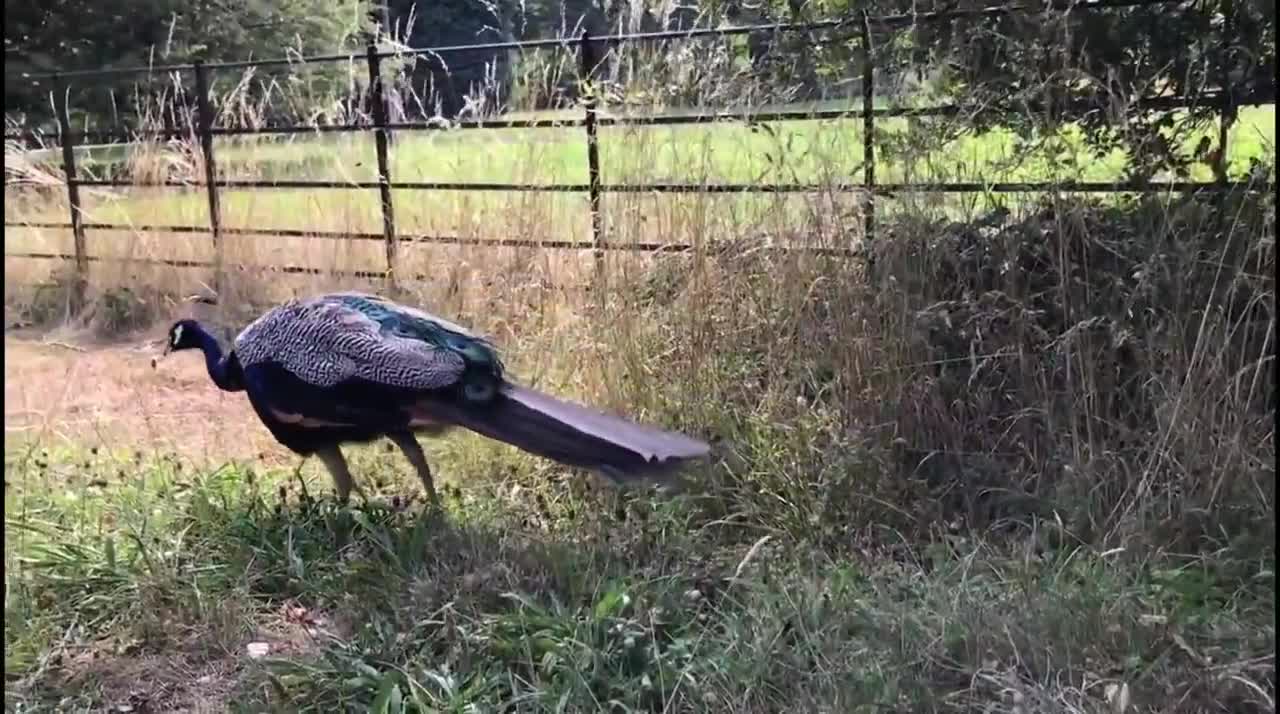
(863, 26)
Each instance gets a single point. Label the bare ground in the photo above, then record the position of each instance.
(199, 673)
(69, 389)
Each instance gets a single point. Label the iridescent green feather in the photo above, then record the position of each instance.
(393, 319)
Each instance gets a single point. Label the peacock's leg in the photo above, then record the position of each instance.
(333, 460)
(413, 452)
(297, 476)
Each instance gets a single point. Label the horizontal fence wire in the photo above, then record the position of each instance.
(375, 274)
(424, 239)
(882, 189)
(650, 247)
(882, 22)
(632, 247)
(179, 263)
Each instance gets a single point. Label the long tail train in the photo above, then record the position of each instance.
(572, 434)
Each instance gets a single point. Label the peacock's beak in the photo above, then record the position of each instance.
(168, 347)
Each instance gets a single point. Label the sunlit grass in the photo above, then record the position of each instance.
(787, 151)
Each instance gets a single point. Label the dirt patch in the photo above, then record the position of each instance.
(156, 683)
(196, 675)
(74, 391)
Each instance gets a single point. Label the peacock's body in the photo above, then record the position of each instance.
(351, 367)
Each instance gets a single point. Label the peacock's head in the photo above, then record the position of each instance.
(183, 335)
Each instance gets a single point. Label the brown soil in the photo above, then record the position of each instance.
(200, 672)
(71, 390)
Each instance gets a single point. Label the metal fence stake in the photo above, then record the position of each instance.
(378, 99)
(68, 141)
(593, 156)
(204, 126)
(868, 130)
(1227, 110)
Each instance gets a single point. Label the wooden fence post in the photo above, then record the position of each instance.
(868, 130)
(378, 99)
(204, 125)
(68, 141)
(593, 155)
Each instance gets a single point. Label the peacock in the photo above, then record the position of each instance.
(351, 367)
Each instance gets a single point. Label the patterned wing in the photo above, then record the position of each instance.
(325, 342)
(381, 309)
(412, 323)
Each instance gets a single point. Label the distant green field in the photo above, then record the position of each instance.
(821, 151)
(730, 152)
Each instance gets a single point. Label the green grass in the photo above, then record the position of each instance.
(730, 152)
(787, 151)
(821, 152)
(566, 599)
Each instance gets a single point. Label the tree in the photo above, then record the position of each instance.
(1033, 71)
(79, 34)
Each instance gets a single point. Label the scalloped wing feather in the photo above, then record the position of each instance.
(352, 298)
(325, 342)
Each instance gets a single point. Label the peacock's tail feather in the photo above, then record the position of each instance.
(568, 433)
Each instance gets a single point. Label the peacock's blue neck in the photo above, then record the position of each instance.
(224, 371)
